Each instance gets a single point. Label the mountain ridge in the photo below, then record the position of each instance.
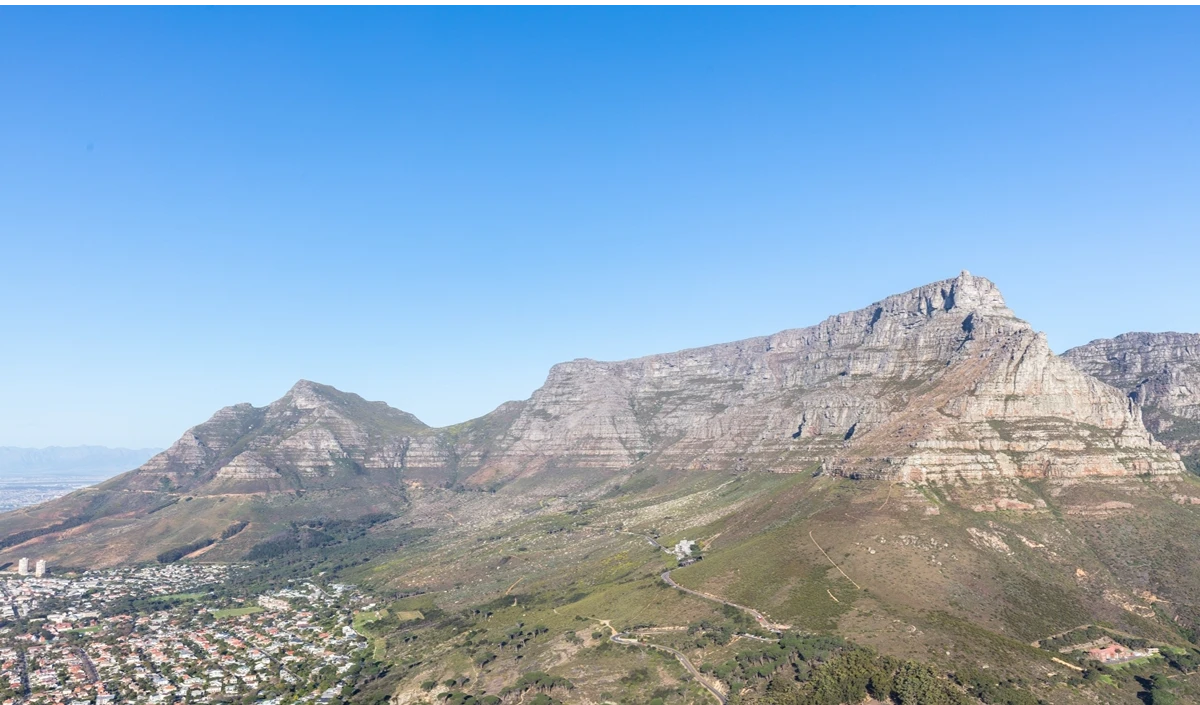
(942, 381)
(939, 384)
(799, 396)
(1160, 372)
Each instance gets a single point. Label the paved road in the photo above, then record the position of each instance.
(88, 666)
(24, 666)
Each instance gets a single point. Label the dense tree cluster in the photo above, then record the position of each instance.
(23, 536)
(791, 658)
(826, 670)
(538, 682)
(173, 554)
(234, 529)
(707, 632)
(850, 676)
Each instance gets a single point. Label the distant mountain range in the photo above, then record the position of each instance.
(70, 462)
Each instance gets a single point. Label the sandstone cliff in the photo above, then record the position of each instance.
(1160, 372)
(313, 436)
(941, 382)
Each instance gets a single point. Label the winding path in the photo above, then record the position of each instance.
(624, 639)
(758, 616)
(621, 638)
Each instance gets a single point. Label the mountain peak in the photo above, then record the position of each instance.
(306, 394)
(965, 293)
(912, 387)
(971, 292)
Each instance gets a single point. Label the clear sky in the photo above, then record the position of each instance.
(432, 206)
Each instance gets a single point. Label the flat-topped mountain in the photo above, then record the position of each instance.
(1024, 497)
(1160, 372)
(941, 383)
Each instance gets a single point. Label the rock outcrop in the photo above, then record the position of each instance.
(1160, 372)
(313, 436)
(939, 384)
(942, 382)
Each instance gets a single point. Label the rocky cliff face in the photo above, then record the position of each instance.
(313, 436)
(941, 382)
(1160, 372)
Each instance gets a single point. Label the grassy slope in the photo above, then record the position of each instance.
(931, 589)
(948, 587)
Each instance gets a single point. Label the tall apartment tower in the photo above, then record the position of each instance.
(40, 568)
(23, 566)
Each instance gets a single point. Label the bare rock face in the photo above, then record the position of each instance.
(942, 382)
(313, 436)
(1160, 372)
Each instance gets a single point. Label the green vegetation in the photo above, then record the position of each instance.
(1192, 463)
(29, 534)
(852, 675)
(173, 554)
(538, 682)
(234, 529)
(315, 533)
(184, 596)
(236, 611)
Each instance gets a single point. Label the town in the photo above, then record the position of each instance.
(24, 493)
(74, 641)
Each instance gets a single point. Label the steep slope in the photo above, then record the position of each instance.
(313, 436)
(941, 382)
(1161, 373)
(315, 454)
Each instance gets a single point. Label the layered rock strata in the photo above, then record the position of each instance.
(1160, 372)
(942, 382)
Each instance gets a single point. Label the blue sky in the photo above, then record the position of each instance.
(432, 206)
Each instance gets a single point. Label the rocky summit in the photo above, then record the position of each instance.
(922, 476)
(1160, 372)
(942, 383)
(314, 435)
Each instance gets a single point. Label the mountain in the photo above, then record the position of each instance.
(921, 476)
(939, 384)
(942, 382)
(1161, 373)
(313, 436)
(83, 462)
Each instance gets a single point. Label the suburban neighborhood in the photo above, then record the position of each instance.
(75, 640)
